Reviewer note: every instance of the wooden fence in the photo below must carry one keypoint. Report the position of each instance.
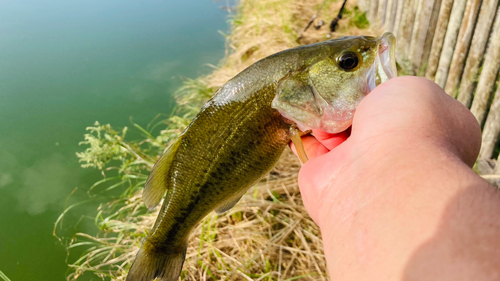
(456, 43)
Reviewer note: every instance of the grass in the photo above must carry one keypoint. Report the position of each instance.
(268, 235)
(3, 276)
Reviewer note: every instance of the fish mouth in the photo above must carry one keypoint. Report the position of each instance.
(384, 66)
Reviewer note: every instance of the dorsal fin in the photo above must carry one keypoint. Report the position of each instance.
(156, 185)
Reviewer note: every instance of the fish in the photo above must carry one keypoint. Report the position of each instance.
(241, 132)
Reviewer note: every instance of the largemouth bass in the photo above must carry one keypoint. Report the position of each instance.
(240, 133)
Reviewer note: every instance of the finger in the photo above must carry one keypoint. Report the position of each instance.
(312, 146)
(330, 141)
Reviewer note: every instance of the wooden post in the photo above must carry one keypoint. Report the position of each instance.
(382, 6)
(491, 128)
(399, 15)
(430, 34)
(439, 36)
(462, 46)
(405, 30)
(420, 28)
(372, 13)
(476, 52)
(490, 70)
(390, 15)
(449, 42)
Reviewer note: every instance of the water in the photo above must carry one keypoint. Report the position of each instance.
(64, 65)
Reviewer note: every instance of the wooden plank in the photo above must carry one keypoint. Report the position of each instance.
(399, 15)
(490, 67)
(450, 40)
(462, 46)
(438, 39)
(491, 128)
(476, 52)
(422, 19)
(372, 13)
(390, 15)
(430, 35)
(405, 30)
(381, 13)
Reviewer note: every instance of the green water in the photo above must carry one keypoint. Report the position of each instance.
(64, 65)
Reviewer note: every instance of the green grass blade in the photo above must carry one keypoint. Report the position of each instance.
(61, 216)
(148, 135)
(3, 276)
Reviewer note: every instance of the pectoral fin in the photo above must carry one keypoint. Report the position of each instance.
(299, 146)
(156, 185)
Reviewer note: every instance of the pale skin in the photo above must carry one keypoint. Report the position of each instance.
(397, 199)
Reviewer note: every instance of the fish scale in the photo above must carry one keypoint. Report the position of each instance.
(214, 184)
(240, 134)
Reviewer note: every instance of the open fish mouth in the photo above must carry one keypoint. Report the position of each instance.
(382, 69)
(325, 96)
(384, 66)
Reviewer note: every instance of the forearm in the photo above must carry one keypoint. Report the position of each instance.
(411, 219)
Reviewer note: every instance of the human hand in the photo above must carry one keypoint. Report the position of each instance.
(382, 191)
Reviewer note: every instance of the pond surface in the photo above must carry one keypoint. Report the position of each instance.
(63, 66)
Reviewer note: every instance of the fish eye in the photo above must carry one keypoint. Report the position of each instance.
(348, 61)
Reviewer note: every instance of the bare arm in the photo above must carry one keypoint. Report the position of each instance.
(397, 200)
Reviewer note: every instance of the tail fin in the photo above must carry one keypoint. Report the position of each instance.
(150, 265)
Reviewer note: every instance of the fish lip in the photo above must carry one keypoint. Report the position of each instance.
(384, 66)
(387, 47)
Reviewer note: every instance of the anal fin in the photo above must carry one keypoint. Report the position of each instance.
(226, 206)
(156, 185)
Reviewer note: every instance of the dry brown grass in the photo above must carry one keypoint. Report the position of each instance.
(262, 28)
(268, 235)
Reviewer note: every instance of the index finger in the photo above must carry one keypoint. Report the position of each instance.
(321, 142)
(330, 141)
